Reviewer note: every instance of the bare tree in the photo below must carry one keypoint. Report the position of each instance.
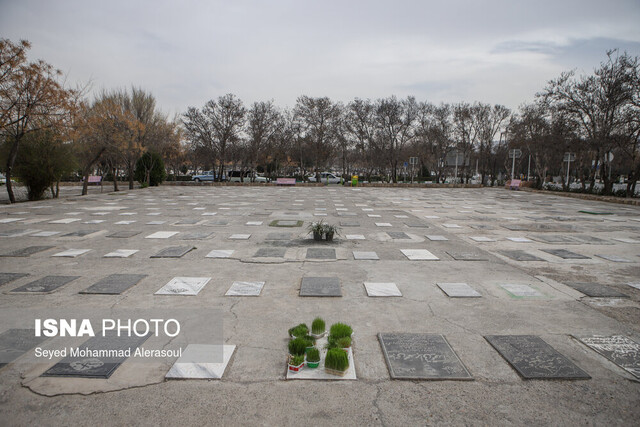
(318, 120)
(219, 124)
(263, 123)
(396, 120)
(599, 103)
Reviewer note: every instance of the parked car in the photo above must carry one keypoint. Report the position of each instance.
(3, 179)
(235, 176)
(326, 177)
(205, 176)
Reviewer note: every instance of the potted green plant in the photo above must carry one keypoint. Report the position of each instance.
(339, 330)
(299, 330)
(313, 358)
(344, 342)
(336, 362)
(317, 228)
(318, 328)
(330, 230)
(296, 363)
(311, 341)
(298, 346)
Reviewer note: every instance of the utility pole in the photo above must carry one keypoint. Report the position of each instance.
(529, 167)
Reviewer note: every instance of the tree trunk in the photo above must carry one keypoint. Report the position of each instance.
(114, 172)
(13, 153)
(87, 169)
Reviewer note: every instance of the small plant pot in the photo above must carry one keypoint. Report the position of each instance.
(307, 349)
(295, 368)
(317, 236)
(334, 372)
(312, 365)
(329, 237)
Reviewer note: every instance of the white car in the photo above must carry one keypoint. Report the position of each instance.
(326, 177)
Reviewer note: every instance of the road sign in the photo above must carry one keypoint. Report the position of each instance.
(569, 157)
(406, 164)
(515, 153)
(413, 160)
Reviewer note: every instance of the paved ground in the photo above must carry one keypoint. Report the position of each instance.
(253, 390)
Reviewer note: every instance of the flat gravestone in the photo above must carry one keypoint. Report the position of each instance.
(482, 239)
(421, 357)
(596, 290)
(239, 237)
(614, 258)
(173, 252)
(114, 284)
(270, 253)
(245, 289)
(355, 237)
(320, 287)
(419, 255)
(349, 224)
(519, 239)
(278, 236)
(123, 234)
(16, 342)
(416, 224)
(617, 348)
(347, 214)
(71, 253)
(286, 223)
(590, 240)
(95, 365)
(10, 277)
(46, 284)
(361, 255)
(467, 256)
(28, 251)
(220, 253)
(521, 291)
(555, 239)
(564, 254)
(188, 221)
(321, 253)
(183, 286)
(80, 233)
(198, 362)
(520, 255)
(437, 238)
(45, 233)
(533, 358)
(398, 235)
(458, 290)
(195, 235)
(375, 289)
(161, 235)
(121, 253)
(218, 222)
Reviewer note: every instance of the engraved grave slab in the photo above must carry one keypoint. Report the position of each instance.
(121, 253)
(518, 255)
(564, 254)
(375, 289)
(467, 256)
(419, 255)
(397, 235)
(10, 277)
(161, 235)
(360, 255)
(321, 253)
(320, 287)
(596, 290)
(25, 252)
(190, 365)
(71, 253)
(435, 238)
(96, 367)
(278, 236)
(46, 284)
(421, 357)
(220, 253)
(533, 358)
(245, 289)
(173, 252)
(16, 342)
(270, 253)
(614, 258)
(520, 291)
(195, 235)
(619, 349)
(114, 284)
(458, 290)
(184, 286)
(123, 234)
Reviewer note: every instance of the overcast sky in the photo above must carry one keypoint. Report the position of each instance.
(187, 52)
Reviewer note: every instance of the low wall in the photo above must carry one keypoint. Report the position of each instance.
(583, 196)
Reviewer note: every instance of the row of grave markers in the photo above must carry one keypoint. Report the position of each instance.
(116, 284)
(412, 356)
